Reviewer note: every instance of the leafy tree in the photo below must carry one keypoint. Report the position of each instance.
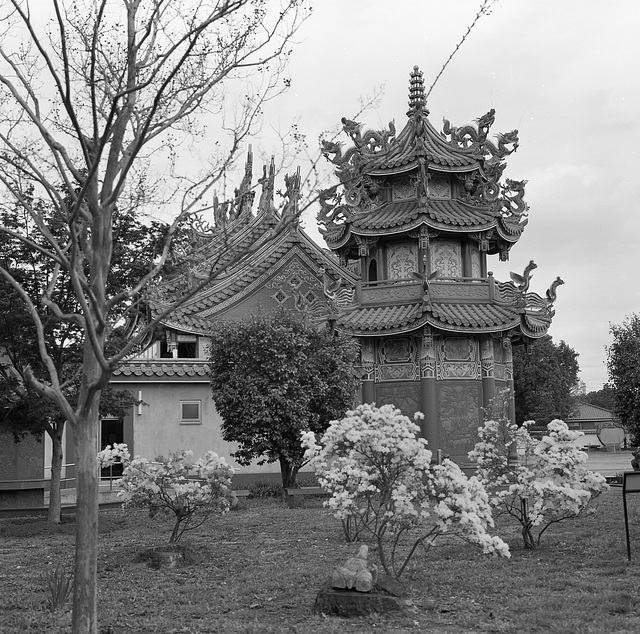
(189, 490)
(623, 365)
(23, 410)
(543, 380)
(602, 398)
(274, 377)
(91, 94)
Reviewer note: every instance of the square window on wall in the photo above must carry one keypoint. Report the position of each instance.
(190, 412)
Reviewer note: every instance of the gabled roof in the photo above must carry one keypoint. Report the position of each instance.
(588, 412)
(246, 251)
(198, 314)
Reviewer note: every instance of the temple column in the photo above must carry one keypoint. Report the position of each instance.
(508, 364)
(487, 366)
(367, 362)
(428, 395)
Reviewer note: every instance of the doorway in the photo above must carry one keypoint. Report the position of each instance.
(111, 432)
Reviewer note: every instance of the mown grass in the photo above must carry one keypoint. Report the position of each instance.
(259, 569)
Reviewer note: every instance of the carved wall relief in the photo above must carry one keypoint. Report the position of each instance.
(446, 257)
(476, 268)
(457, 358)
(295, 286)
(487, 358)
(427, 355)
(459, 419)
(404, 189)
(367, 358)
(397, 360)
(503, 355)
(405, 396)
(402, 260)
(439, 187)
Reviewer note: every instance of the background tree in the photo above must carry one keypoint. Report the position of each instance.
(623, 365)
(274, 377)
(24, 411)
(602, 398)
(91, 95)
(543, 380)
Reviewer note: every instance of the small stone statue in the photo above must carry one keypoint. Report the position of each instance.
(356, 573)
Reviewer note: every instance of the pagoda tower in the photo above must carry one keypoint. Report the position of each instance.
(417, 215)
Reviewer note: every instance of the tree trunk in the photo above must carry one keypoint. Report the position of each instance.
(289, 473)
(55, 502)
(527, 534)
(85, 615)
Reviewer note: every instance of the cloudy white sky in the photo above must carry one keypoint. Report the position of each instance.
(565, 73)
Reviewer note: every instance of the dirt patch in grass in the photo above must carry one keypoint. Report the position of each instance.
(259, 569)
(37, 526)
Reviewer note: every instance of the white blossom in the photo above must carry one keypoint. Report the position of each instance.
(549, 483)
(378, 472)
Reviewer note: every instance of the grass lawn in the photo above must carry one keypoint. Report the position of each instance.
(259, 569)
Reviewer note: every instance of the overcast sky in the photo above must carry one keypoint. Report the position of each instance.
(565, 73)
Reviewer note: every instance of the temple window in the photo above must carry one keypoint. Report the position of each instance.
(179, 346)
(373, 270)
(190, 412)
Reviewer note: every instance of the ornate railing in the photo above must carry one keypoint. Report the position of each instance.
(404, 291)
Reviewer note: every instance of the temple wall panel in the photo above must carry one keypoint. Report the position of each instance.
(446, 257)
(404, 395)
(402, 260)
(459, 405)
(457, 358)
(396, 359)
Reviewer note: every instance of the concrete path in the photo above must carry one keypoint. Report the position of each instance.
(609, 463)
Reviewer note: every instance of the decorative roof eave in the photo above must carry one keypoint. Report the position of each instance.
(513, 308)
(511, 230)
(436, 167)
(347, 234)
(530, 326)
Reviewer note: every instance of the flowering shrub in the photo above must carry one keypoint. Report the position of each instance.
(176, 485)
(547, 485)
(382, 484)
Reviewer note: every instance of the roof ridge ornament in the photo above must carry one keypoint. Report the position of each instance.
(267, 182)
(417, 98)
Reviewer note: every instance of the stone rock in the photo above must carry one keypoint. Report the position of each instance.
(350, 603)
(356, 573)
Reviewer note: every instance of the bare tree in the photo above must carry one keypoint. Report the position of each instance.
(94, 97)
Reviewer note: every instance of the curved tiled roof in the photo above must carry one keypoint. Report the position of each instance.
(397, 216)
(403, 153)
(436, 213)
(160, 368)
(196, 314)
(452, 317)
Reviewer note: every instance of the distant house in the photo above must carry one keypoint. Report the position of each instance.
(601, 427)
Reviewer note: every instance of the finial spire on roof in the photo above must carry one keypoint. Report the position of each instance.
(417, 99)
(245, 185)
